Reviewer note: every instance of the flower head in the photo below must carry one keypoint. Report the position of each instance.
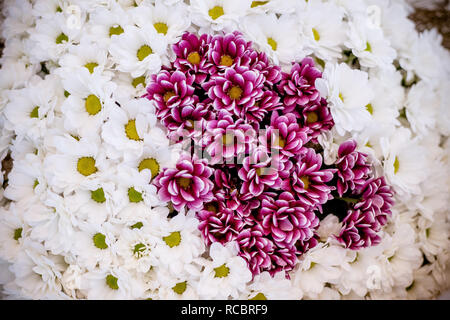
(227, 51)
(359, 230)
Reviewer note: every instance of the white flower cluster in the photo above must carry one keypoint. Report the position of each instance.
(78, 217)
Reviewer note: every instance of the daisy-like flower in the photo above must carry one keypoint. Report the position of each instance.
(266, 287)
(348, 94)
(369, 44)
(277, 6)
(187, 184)
(278, 37)
(258, 171)
(353, 168)
(180, 286)
(298, 87)
(181, 242)
(13, 232)
(286, 135)
(308, 180)
(237, 89)
(218, 14)
(30, 110)
(324, 27)
(228, 51)
(192, 55)
(167, 20)
(226, 275)
(287, 220)
(138, 50)
(89, 102)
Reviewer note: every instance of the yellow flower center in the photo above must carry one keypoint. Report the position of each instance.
(312, 117)
(173, 239)
(316, 34)
(98, 195)
(139, 80)
(369, 108)
(222, 271)
(280, 142)
(193, 58)
(396, 165)
(368, 47)
(35, 112)
(180, 287)
(261, 171)
(99, 241)
(341, 97)
(18, 234)
(168, 95)
(216, 12)
(130, 130)
(226, 61)
(115, 30)
(134, 195)
(235, 92)
(272, 43)
(258, 3)
(93, 105)
(259, 296)
(111, 281)
(143, 52)
(86, 166)
(305, 181)
(62, 37)
(212, 207)
(90, 66)
(151, 164)
(228, 139)
(161, 27)
(184, 182)
(139, 249)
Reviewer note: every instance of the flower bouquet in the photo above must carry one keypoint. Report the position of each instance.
(281, 149)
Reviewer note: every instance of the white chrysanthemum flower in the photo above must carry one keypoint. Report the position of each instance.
(50, 38)
(88, 103)
(30, 110)
(433, 236)
(368, 43)
(226, 275)
(182, 242)
(324, 28)
(37, 273)
(179, 286)
(87, 57)
(138, 50)
(320, 265)
(276, 6)
(112, 283)
(424, 286)
(171, 21)
(218, 14)
(18, 18)
(278, 37)
(135, 248)
(420, 107)
(329, 227)
(49, 8)
(405, 163)
(14, 75)
(26, 182)
(76, 162)
(13, 231)
(266, 287)
(348, 93)
(71, 281)
(131, 128)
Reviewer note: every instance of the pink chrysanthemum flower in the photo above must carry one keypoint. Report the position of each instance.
(169, 90)
(228, 137)
(218, 223)
(258, 171)
(376, 197)
(317, 118)
(236, 90)
(255, 248)
(306, 245)
(308, 180)
(298, 87)
(227, 51)
(283, 259)
(192, 55)
(353, 168)
(287, 220)
(187, 184)
(359, 230)
(285, 135)
(260, 61)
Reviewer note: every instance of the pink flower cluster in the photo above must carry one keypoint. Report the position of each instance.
(264, 191)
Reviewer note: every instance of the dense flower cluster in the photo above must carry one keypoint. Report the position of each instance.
(290, 149)
(269, 188)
